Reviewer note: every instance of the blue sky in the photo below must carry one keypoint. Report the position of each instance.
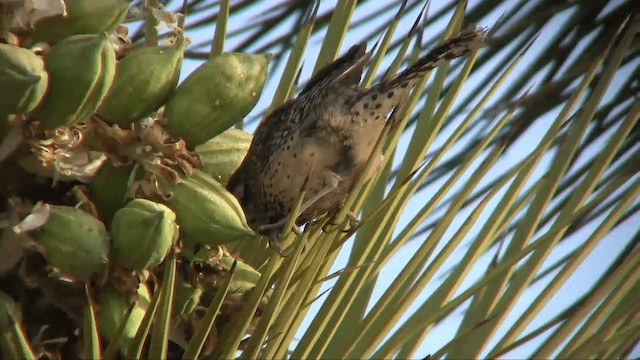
(597, 262)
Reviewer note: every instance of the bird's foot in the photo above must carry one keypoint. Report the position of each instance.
(274, 232)
(269, 228)
(354, 223)
(274, 243)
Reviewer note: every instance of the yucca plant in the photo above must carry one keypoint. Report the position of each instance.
(506, 174)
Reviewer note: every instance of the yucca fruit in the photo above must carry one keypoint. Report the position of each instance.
(23, 80)
(218, 94)
(83, 17)
(81, 69)
(73, 241)
(142, 234)
(113, 307)
(207, 213)
(144, 79)
(222, 155)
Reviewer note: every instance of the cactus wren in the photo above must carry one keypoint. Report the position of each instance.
(325, 136)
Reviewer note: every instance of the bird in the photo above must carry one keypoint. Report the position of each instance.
(320, 141)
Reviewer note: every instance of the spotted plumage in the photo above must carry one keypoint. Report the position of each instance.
(326, 135)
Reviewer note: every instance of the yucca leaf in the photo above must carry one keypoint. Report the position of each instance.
(161, 327)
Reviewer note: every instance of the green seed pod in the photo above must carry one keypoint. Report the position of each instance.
(216, 95)
(207, 213)
(83, 17)
(114, 307)
(23, 80)
(245, 277)
(185, 298)
(222, 155)
(81, 70)
(108, 189)
(145, 78)
(142, 233)
(75, 243)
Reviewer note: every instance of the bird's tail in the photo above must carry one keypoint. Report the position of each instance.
(386, 95)
(460, 45)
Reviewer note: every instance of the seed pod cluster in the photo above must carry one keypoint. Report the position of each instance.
(114, 166)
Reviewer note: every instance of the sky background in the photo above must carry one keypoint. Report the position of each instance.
(578, 284)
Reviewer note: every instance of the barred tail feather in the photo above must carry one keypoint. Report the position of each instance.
(380, 99)
(464, 43)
